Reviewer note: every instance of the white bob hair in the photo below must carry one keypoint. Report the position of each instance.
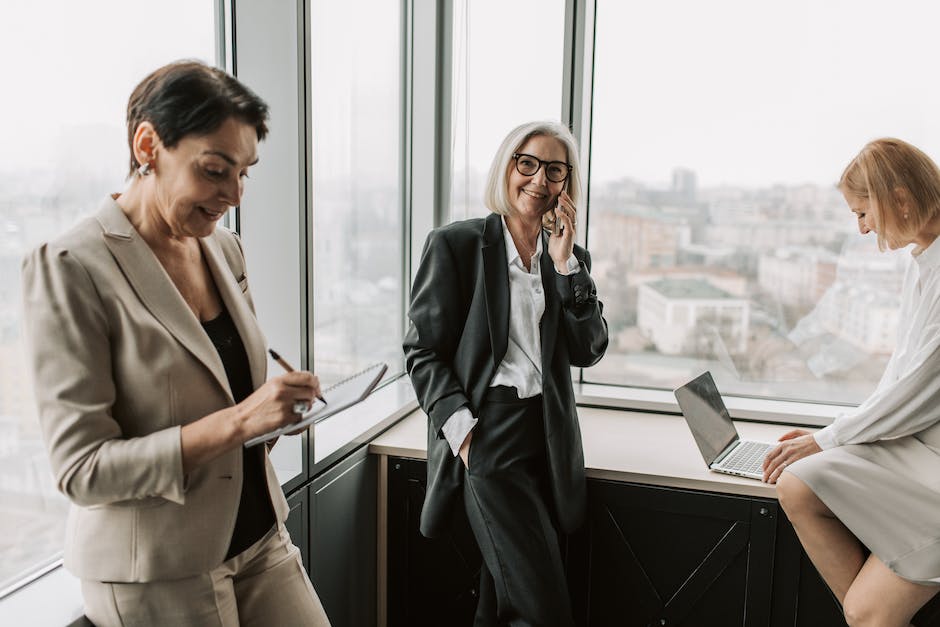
(496, 194)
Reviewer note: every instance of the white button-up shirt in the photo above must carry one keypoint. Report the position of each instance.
(905, 401)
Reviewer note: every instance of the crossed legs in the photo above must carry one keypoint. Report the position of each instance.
(870, 593)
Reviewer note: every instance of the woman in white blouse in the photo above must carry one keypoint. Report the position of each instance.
(501, 309)
(871, 479)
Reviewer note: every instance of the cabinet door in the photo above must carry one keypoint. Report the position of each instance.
(661, 556)
(343, 539)
(297, 524)
(427, 578)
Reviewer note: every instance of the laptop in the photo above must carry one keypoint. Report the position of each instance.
(717, 439)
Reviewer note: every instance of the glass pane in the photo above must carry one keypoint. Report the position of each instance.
(504, 75)
(719, 240)
(357, 213)
(65, 146)
(287, 457)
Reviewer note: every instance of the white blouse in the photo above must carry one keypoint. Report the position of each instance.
(907, 399)
(521, 367)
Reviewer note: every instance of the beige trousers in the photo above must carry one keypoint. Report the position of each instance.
(266, 585)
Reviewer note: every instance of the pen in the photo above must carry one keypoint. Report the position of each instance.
(286, 366)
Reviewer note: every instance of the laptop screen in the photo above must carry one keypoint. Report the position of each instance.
(707, 416)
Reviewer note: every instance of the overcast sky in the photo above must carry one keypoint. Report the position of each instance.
(72, 65)
(755, 92)
(744, 92)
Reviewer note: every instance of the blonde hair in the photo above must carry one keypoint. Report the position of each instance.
(496, 193)
(901, 183)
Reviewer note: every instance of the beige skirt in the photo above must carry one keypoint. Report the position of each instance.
(888, 494)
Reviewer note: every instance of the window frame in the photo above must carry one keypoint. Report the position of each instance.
(577, 105)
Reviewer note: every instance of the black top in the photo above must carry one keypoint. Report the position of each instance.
(255, 512)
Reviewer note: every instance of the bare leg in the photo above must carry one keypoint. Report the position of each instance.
(834, 551)
(879, 597)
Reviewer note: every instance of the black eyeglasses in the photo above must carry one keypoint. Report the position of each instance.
(555, 171)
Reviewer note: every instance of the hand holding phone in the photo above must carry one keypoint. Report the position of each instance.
(549, 222)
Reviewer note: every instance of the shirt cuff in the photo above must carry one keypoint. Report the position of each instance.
(825, 438)
(455, 430)
(574, 266)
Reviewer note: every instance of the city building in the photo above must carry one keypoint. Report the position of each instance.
(680, 315)
(797, 275)
(862, 315)
(639, 236)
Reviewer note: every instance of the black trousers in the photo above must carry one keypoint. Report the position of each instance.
(522, 581)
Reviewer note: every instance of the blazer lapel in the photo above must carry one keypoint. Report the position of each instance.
(156, 290)
(549, 325)
(496, 284)
(238, 309)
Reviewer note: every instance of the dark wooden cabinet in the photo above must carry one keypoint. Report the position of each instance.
(342, 534)
(660, 556)
(427, 578)
(333, 521)
(647, 556)
(297, 524)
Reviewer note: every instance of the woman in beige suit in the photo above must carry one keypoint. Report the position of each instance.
(871, 479)
(150, 375)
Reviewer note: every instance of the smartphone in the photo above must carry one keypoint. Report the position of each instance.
(549, 223)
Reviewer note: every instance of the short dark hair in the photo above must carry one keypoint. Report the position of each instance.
(191, 98)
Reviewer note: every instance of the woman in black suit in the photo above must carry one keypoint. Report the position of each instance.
(501, 309)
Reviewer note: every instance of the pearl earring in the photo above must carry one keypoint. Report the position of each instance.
(144, 169)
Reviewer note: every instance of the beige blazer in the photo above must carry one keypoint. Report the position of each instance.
(120, 363)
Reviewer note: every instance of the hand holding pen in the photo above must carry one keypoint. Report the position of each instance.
(288, 368)
(278, 402)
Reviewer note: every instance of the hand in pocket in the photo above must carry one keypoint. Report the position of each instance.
(465, 450)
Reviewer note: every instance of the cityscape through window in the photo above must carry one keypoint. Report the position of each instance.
(65, 147)
(719, 239)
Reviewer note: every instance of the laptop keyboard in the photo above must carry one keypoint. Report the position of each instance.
(747, 458)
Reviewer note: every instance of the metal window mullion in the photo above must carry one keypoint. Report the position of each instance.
(224, 14)
(406, 168)
(306, 243)
(443, 171)
(577, 95)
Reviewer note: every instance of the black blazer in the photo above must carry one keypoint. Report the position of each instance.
(458, 336)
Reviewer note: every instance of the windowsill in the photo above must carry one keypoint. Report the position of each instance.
(391, 401)
(627, 446)
(54, 599)
(740, 408)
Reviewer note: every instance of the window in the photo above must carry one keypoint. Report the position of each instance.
(358, 226)
(719, 240)
(508, 62)
(66, 83)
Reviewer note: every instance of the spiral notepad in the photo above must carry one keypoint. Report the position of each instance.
(338, 397)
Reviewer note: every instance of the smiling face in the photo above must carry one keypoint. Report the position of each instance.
(197, 181)
(531, 196)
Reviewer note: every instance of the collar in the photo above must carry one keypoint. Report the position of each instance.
(113, 220)
(512, 254)
(928, 257)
